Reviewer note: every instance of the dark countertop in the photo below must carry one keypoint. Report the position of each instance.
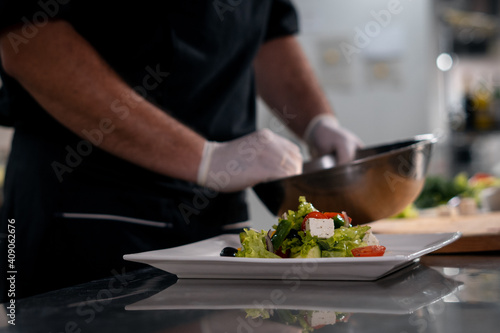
(441, 293)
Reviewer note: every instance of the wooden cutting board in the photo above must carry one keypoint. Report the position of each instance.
(480, 232)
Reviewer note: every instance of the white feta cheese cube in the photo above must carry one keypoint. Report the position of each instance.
(370, 238)
(323, 228)
(317, 318)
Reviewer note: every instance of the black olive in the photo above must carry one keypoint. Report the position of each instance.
(228, 252)
(293, 234)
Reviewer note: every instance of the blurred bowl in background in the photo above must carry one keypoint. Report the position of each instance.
(380, 182)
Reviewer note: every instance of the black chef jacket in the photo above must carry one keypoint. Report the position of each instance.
(78, 209)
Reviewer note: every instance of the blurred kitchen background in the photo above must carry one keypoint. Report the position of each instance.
(393, 69)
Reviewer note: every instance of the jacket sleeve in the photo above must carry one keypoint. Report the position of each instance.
(283, 20)
(30, 15)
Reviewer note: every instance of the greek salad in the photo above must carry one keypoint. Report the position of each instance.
(308, 233)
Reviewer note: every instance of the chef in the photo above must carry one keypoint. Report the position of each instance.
(135, 126)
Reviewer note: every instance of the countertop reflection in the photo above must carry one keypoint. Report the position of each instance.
(442, 293)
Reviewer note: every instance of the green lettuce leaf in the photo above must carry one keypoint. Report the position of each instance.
(297, 217)
(308, 242)
(343, 241)
(291, 243)
(258, 313)
(300, 246)
(254, 245)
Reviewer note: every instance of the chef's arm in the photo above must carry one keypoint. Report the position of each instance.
(70, 80)
(287, 83)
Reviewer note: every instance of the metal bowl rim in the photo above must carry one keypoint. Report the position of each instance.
(423, 139)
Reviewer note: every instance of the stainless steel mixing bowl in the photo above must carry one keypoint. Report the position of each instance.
(380, 182)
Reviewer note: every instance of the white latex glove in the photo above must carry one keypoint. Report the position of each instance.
(325, 135)
(257, 157)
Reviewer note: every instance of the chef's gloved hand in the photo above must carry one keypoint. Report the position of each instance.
(325, 135)
(257, 157)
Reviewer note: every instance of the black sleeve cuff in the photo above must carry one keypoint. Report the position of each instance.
(283, 20)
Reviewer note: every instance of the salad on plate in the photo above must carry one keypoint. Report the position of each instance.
(308, 233)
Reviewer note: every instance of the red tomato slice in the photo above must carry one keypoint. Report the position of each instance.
(332, 215)
(481, 178)
(480, 175)
(314, 215)
(281, 254)
(369, 251)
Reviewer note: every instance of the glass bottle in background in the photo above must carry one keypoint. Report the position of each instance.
(468, 105)
(495, 101)
(481, 100)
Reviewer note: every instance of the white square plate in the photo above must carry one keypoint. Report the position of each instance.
(202, 260)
